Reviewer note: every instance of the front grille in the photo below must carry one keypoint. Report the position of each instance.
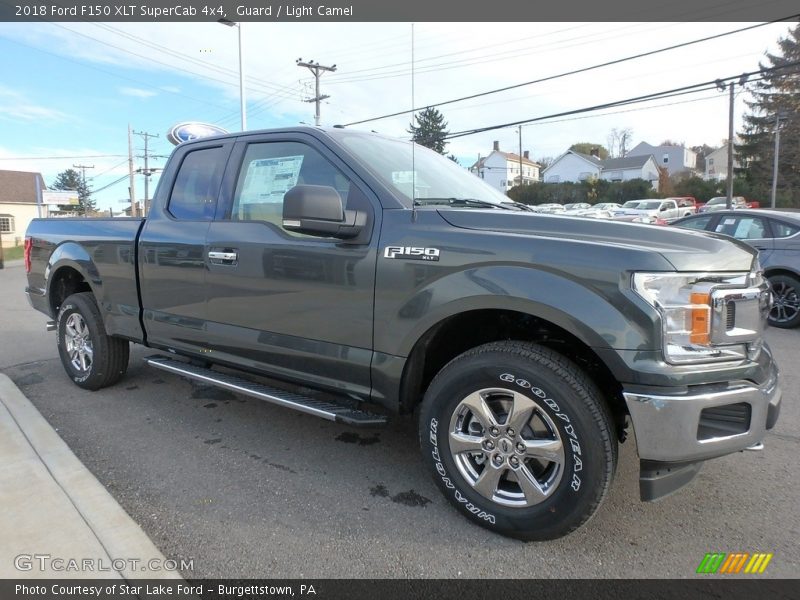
(723, 421)
(730, 316)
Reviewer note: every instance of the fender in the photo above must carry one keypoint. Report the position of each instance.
(593, 315)
(72, 254)
(118, 303)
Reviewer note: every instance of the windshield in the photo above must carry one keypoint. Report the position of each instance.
(434, 177)
(631, 204)
(718, 200)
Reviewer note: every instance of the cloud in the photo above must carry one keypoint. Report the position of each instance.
(137, 92)
(15, 106)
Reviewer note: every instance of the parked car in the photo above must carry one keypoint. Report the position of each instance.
(776, 236)
(666, 210)
(609, 206)
(686, 204)
(549, 208)
(526, 345)
(574, 207)
(721, 203)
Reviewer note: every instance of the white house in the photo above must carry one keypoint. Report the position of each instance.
(501, 169)
(18, 205)
(630, 167)
(717, 164)
(673, 158)
(574, 166)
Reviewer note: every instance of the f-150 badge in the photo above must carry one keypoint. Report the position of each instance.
(411, 253)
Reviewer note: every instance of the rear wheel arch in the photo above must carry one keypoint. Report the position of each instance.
(64, 281)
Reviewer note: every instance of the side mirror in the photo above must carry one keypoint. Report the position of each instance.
(664, 207)
(319, 210)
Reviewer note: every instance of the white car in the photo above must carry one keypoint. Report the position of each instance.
(551, 208)
(662, 209)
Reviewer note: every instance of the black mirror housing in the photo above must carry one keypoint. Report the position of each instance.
(319, 210)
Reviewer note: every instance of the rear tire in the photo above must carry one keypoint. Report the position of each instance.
(785, 310)
(519, 440)
(91, 358)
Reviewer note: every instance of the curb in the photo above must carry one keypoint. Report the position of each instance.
(85, 504)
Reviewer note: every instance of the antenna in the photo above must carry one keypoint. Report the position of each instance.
(413, 143)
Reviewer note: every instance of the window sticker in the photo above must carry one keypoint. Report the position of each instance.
(268, 179)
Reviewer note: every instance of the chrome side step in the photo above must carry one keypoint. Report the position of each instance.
(311, 406)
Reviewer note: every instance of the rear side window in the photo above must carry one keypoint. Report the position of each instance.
(782, 230)
(194, 195)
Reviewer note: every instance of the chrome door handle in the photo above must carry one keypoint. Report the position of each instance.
(214, 255)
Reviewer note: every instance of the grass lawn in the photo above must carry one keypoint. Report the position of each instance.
(12, 253)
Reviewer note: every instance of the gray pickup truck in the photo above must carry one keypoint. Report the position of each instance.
(375, 274)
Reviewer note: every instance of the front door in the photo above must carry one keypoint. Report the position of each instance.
(289, 305)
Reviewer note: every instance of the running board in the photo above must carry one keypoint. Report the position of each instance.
(311, 406)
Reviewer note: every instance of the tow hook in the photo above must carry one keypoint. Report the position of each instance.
(757, 447)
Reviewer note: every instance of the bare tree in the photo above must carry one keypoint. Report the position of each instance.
(618, 141)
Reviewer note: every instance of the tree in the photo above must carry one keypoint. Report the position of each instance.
(702, 152)
(618, 141)
(778, 93)
(587, 147)
(545, 161)
(71, 180)
(430, 130)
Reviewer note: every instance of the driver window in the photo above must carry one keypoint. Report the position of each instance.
(271, 169)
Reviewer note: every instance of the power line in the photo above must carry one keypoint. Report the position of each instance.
(61, 157)
(689, 89)
(572, 72)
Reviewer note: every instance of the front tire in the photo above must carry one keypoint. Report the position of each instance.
(519, 440)
(91, 358)
(785, 310)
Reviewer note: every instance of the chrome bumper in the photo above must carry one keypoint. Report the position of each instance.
(667, 427)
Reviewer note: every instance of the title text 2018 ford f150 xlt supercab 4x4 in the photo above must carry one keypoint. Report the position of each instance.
(354, 265)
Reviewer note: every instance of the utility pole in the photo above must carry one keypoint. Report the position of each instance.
(131, 179)
(730, 85)
(729, 200)
(317, 69)
(520, 156)
(83, 177)
(778, 116)
(147, 171)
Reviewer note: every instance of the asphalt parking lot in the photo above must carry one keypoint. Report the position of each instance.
(248, 489)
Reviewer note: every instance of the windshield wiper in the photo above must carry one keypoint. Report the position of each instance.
(461, 202)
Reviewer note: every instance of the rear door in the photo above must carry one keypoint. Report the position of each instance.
(290, 305)
(753, 229)
(172, 271)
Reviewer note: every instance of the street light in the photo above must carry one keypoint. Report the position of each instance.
(242, 100)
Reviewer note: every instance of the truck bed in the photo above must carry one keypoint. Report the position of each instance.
(106, 249)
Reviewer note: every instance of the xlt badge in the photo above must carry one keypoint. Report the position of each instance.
(411, 253)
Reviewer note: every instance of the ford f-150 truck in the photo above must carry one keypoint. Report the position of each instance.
(375, 273)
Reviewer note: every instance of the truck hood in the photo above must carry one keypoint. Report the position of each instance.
(686, 250)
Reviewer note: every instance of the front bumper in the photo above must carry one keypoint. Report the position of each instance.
(673, 428)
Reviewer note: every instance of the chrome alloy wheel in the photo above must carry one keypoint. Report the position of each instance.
(506, 447)
(78, 343)
(785, 303)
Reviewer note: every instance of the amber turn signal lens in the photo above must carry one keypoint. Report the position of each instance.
(700, 315)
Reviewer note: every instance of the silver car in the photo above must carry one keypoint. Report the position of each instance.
(776, 236)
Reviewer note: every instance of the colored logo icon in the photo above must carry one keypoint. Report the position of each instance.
(734, 563)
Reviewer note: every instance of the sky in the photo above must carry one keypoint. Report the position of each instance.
(69, 91)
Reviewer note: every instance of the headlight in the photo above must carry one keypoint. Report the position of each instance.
(686, 303)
